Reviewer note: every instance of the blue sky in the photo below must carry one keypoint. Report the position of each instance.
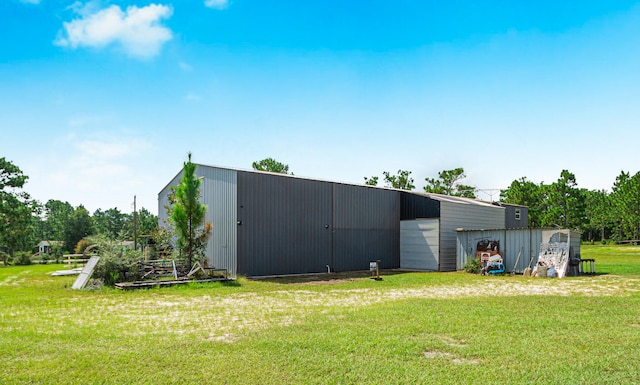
(102, 100)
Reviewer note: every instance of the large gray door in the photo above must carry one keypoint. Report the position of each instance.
(284, 225)
(419, 244)
(365, 227)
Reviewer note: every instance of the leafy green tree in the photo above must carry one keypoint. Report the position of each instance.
(401, 181)
(188, 215)
(598, 212)
(271, 165)
(56, 216)
(17, 221)
(79, 226)
(373, 181)
(565, 203)
(626, 198)
(448, 184)
(110, 223)
(10, 176)
(147, 222)
(525, 193)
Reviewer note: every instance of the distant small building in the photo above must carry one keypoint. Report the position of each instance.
(516, 216)
(46, 247)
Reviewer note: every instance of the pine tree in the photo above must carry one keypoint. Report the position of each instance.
(188, 215)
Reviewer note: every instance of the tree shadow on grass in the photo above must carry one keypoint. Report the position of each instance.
(324, 278)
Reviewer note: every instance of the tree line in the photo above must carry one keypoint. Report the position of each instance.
(599, 214)
(24, 221)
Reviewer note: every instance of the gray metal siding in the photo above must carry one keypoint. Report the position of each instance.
(511, 242)
(419, 244)
(510, 220)
(456, 215)
(523, 242)
(163, 199)
(415, 206)
(218, 191)
(284, 224)
(366, 226)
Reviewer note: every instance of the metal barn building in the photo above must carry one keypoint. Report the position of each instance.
(276, 224)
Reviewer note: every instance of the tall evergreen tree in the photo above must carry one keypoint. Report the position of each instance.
(626, 195)
(598, 213)
(188, 215)
(564, 202)
(525, 193)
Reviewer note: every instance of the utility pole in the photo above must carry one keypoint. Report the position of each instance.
(135, 224)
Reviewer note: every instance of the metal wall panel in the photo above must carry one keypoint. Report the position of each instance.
(415, 206)
(218, 191)
(419, 244)
(163, 199)
(511, 242)
(511, 221)
(460, 214)
(284, 224)
(366, 226)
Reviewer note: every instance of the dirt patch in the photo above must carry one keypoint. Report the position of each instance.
(226, 338)
(451, 357)
(227, 318)
(324, 282)
(452, 342)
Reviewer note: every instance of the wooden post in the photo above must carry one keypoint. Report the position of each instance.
(135, 225)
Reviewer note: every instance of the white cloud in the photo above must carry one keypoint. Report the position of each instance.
(216, 4)
(137, 30)
(85, 9)
(99, 170)
(186, 67)
(191, 97)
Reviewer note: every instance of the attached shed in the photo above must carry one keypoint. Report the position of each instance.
(459, 212)
(277, 224)
(429, 242)
(525, 242)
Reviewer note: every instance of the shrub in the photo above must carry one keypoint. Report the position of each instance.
(22, 258)
(44, 258)
(117, 266)
(473, 266)
(81, 245)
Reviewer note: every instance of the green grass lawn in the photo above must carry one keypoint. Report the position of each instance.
(410, 328)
